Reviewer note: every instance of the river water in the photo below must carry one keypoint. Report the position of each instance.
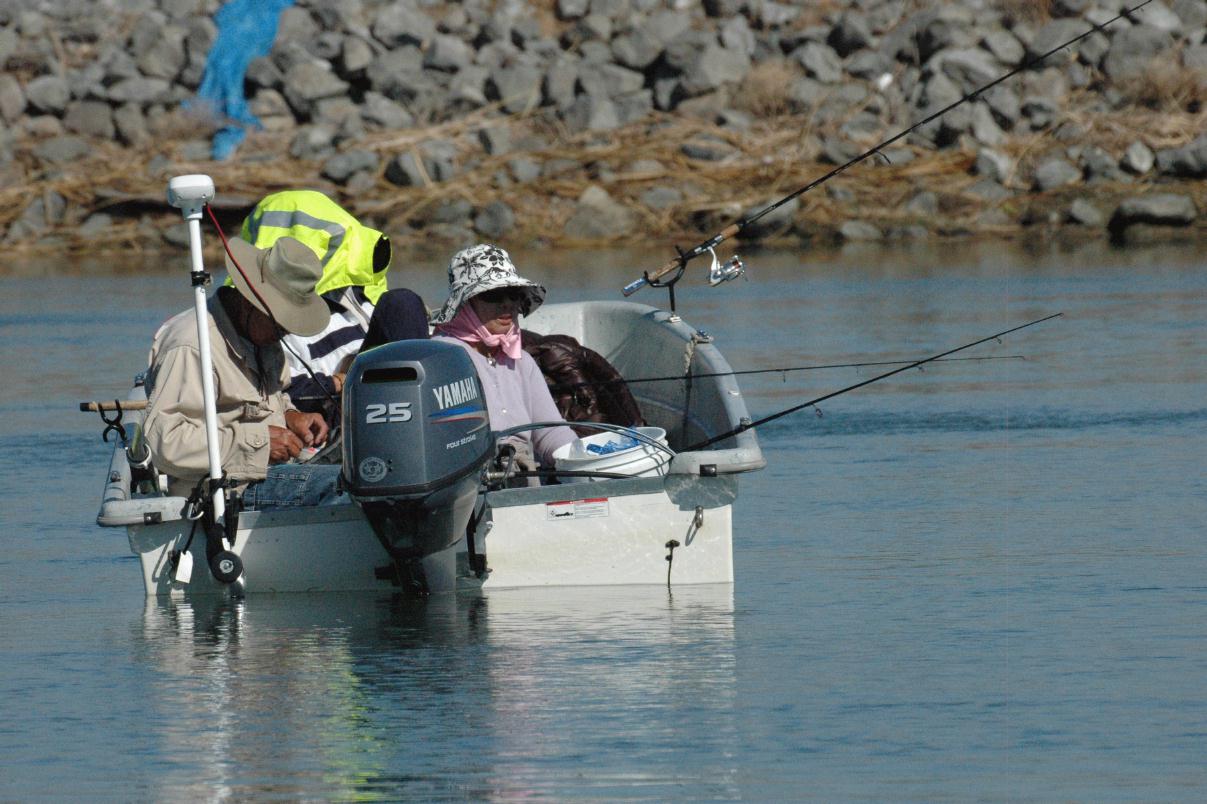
(985, 580)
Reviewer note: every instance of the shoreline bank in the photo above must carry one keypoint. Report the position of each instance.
(586, 123)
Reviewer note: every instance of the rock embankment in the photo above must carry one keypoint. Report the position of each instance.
(579, 121)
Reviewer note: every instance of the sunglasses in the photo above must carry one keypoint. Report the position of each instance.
(500, 295)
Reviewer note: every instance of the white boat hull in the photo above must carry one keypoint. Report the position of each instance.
(331, 549)
(590, 534)
(573, 535)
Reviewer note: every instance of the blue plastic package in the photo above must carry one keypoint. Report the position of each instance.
(246, 30)
(609, 447)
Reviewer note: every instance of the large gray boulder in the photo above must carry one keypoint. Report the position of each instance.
(388, 114)
(1099, 165)
(12, 98)
(1158, 15)
(610, 80)
(48, 94)
(736, 35)
(310, 82)
(355, 56)
(592, 113)
(131, 125)
(634, 106)
(312, 142)
(572, 9)
(714, 67)
(518, 87)
(468, 86)
(820, 61)
(994, 165)
(402, 23)
(406, 171)
(142, 91)
(850, 33)
(1138, 159)
(447, 53)
(1055, 172)
(1084, 213)
(1159, 209)
(495, 221)
(859, 232)
(1133, 50)
(637, 49)
(970, 68)
(660, 198)
(90, 118)
(1055, 33)
(393, 73)
(166, 56)
(598, 217)
(342, 167)
(560, 82)
(1004, 46)
(1189, 161)
(62, 150)
(1192, 13)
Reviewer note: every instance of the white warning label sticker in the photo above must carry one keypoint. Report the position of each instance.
(577, 509)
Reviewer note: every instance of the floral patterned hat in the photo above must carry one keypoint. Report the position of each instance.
(481, 268)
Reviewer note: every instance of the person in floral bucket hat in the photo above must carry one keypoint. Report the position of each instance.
(486, 297)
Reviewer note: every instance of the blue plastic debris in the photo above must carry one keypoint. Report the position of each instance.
(246, 30)
(608, 447)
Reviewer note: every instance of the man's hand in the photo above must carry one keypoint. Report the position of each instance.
(337, 381)
(311, 428)
(282, 445)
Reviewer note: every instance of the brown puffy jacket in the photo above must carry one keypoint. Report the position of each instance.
(585, 386)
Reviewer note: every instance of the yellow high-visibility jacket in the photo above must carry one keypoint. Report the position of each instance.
(343, 245)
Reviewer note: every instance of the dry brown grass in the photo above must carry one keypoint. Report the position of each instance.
(1167, 86)
(765, 91)
(772, 158)
(817, 12)
(1032, 12)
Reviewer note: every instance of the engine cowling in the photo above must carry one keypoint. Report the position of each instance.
(414, 420)
(415, 438)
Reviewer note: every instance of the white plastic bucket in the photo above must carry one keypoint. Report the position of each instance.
(642, 460)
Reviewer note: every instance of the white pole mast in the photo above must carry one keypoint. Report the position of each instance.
(190, 194)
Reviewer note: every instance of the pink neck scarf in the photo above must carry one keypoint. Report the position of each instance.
(466, 326)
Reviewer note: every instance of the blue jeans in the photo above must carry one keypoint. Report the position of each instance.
(294, 485)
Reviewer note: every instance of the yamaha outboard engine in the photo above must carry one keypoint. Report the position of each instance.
(416, 436)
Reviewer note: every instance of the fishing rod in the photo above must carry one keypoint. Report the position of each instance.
(570, 386)
(680, 262)
(782, 370)
(751, 425)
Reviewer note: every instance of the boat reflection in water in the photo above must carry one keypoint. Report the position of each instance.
(544, 692)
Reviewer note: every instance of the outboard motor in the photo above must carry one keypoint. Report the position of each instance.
(416, 436)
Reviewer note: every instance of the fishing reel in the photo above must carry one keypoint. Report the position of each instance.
(731, 269)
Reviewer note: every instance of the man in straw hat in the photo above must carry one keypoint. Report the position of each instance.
(258, 428)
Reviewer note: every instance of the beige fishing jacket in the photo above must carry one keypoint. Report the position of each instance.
(248, 387)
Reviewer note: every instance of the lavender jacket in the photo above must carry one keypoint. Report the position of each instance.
(516, 393)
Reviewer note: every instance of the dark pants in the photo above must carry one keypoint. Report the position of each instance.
(399, 315)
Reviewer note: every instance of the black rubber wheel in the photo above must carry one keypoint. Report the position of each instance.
(226, 566)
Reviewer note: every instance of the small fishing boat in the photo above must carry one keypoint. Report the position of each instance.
(433, 503)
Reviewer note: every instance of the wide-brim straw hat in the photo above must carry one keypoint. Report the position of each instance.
(282, 277)
(481, 268)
